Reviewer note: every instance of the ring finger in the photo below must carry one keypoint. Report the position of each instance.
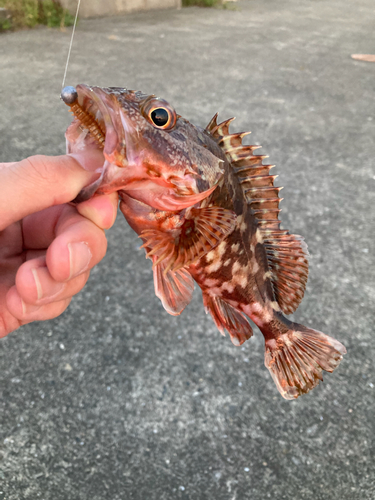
(35, 313)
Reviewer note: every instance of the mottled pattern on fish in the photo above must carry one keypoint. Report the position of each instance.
(207, 211)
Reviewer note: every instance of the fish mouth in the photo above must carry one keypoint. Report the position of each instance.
(97, 120)
(97, 114)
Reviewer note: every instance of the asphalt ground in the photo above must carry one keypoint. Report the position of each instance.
(118, 400)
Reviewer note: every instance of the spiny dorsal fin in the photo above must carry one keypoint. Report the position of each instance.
(254, 177)
(286, 253)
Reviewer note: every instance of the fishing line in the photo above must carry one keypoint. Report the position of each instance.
(71, 43)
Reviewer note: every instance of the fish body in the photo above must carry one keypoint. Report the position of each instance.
(207, 211)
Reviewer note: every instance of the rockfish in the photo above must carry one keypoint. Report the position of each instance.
(207, 211)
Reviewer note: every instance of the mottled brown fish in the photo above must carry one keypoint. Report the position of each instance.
(207, 211)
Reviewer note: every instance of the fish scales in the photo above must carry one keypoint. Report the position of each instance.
(207, 211)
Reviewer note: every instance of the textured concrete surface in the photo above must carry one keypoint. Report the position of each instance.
(118, 400)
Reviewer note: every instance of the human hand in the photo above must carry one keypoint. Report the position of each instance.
(47, 246)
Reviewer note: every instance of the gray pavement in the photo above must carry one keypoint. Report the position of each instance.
(118, 400)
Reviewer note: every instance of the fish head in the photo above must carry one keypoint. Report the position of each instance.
(149, 151)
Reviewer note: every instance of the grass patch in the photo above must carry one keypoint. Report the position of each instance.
(220, 4)
(201, 3)
(29, 13)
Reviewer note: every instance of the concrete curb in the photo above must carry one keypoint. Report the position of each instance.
(98, 8)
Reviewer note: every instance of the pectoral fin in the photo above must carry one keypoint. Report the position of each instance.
(202, 230)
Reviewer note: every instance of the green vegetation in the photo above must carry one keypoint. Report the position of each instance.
(5, 24)
(201, 3)
(29, 13)
(221, 4)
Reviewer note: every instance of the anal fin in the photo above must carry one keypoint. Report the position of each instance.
(174, 289)
(226, 317)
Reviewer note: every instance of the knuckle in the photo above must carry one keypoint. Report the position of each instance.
(40, 170)
(8, 325)
(102, 250)
(77, 283)
(97, 241)
(37, 168)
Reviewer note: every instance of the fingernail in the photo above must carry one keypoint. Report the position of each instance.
(53, 289)
(37, 283)
(28, 308)
(79, 258)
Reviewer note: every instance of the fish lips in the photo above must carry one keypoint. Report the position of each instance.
(166, 200)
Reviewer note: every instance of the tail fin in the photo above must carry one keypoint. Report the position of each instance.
(297, 358)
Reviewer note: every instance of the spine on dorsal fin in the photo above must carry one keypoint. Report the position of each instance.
(212, 124)
(233, 141)
(286, 253)
(222, 129)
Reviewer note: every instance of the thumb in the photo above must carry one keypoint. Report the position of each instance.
(40, 182)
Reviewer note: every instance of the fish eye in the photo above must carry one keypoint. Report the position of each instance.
(160, 117)
(159, 113)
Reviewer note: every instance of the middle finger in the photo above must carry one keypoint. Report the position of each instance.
(79, 245)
